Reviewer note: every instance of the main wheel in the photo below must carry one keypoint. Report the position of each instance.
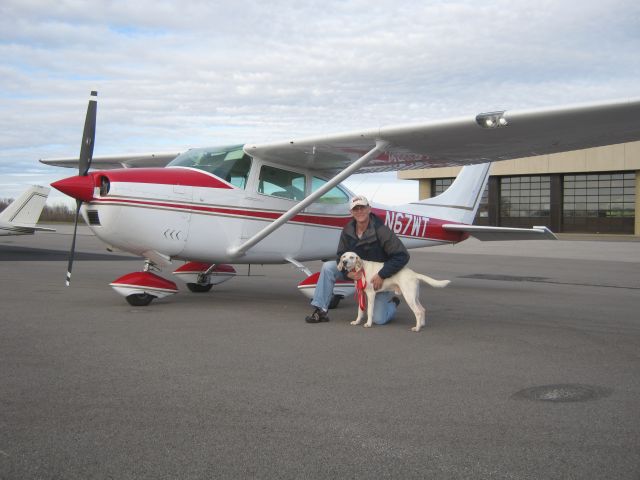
(199, 287)
(335, 300)
(140, 299)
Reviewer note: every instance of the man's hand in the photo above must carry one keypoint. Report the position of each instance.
(376, 281)
(353, 275)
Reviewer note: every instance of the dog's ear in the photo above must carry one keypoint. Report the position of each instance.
(340, 265)
(358, 264)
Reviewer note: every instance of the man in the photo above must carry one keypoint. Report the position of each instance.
(372, 240)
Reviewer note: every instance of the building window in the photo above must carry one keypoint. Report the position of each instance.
(525, 196)
(439, 185)
(603, 195)
(483, 209)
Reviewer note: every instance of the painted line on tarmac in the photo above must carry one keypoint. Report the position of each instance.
(517, 278)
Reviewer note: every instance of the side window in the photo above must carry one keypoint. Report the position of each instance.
(281, 183)
(333, 196)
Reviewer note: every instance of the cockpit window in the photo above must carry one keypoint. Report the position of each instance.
(229, 163)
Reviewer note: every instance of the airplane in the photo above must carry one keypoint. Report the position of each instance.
(21, 215)
(282, 202)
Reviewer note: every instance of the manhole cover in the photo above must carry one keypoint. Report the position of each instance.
(564, 392)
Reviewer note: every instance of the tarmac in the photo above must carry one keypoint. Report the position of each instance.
(529, 368)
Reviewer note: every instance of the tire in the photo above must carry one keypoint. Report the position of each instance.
(335, 300)
(199, 288)
(140, 299)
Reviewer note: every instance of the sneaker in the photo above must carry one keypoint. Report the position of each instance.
(395, 300)
(317, 316)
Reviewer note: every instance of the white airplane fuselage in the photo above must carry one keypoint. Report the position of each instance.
(189, 214)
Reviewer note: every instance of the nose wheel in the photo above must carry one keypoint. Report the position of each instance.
(140, 288)
(140, 299)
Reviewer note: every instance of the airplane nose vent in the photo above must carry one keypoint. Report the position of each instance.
(94, 218)
(105, 186)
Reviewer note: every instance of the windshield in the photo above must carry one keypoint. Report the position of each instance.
(229, 163)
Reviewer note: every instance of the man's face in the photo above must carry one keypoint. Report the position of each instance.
(360, 213)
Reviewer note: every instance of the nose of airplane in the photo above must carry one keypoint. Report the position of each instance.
(78, 187)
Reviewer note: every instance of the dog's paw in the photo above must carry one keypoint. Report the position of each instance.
(355, 322)
(368, 325)
(415, 329)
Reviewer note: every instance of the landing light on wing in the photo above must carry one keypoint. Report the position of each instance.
(492, 120)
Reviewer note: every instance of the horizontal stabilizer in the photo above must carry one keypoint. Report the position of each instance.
(33, 228)
(501, 233)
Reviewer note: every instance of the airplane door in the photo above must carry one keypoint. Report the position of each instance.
(275, 190)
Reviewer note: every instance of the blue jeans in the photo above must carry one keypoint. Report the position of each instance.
(383, 311)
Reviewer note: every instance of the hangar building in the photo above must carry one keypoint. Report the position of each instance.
(583, 191)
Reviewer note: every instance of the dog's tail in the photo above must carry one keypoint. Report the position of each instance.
(432, 281)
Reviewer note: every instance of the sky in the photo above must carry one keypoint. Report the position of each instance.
(175, 74)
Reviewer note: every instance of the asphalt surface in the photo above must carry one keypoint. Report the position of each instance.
(529, 368)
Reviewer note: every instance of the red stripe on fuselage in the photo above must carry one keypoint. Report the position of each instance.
(317, 220)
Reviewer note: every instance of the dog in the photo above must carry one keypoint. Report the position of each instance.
(405, 282)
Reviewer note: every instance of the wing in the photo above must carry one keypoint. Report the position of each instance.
(31, 228)
(108, 162)
(486, 137)
(501, 233)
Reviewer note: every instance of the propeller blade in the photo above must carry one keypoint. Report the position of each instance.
(88, 135)
(86, 155)
(73, 243)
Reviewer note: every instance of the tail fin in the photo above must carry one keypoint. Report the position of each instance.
(432, 281)
(460, 202)
(26, 209)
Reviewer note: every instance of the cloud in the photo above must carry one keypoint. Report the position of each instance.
(176, 74)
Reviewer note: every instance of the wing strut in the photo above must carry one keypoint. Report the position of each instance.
(238, 251)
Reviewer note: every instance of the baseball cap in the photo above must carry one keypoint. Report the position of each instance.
(359, 200)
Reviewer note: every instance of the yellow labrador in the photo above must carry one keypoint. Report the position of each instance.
(406, 282)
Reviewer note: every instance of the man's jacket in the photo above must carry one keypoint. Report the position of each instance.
(378, 244)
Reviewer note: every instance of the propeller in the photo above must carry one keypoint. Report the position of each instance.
(86, 155)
